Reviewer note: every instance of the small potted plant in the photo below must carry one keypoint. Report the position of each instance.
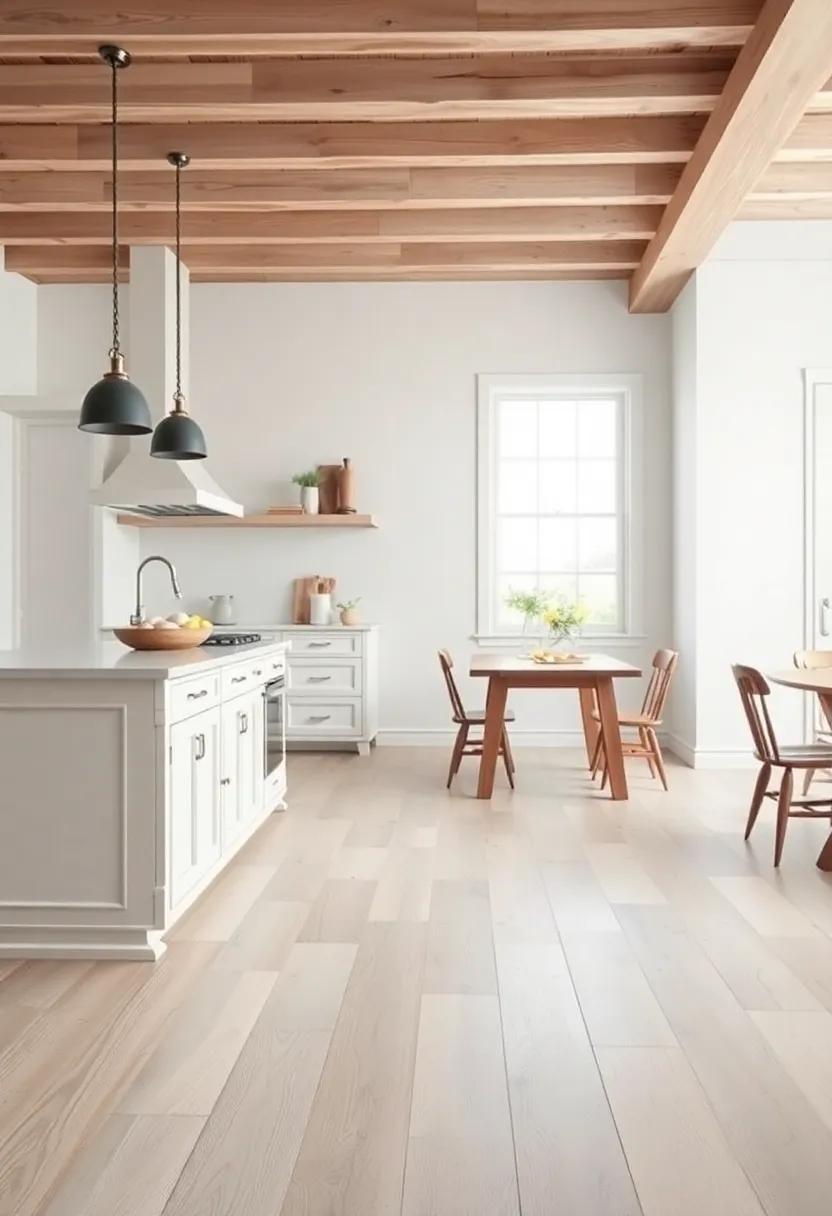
(309, 498)
(565, 620)
(349, 616)
(530, 604)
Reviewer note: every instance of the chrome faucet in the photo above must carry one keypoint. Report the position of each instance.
(138, 615)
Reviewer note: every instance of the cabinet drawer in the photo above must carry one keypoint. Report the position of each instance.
(323, 644)
(188, 697)
(240, 678)
(319, 676)
(307, 717)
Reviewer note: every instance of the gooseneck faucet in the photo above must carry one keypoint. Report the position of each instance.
(138, 615)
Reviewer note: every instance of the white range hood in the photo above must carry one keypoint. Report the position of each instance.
(142, 484)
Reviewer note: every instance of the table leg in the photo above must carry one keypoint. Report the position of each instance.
(495, 708)
(608, 713)
(591, 727)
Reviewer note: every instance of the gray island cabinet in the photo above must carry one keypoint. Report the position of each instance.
(128, 782)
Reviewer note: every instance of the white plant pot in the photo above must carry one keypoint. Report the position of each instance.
(309, 499)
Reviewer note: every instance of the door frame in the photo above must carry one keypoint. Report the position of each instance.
(813, 377)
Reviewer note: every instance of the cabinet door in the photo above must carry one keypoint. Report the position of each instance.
(194, 801)
(238, 765)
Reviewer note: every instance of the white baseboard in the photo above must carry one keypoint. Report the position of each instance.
(698, 757)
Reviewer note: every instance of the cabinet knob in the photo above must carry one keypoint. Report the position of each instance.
(225, 781)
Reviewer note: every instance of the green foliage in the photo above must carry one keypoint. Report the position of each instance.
(348, 605)
(529, 604)
(306, 479)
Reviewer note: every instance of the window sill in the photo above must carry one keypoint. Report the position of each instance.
(513, 640)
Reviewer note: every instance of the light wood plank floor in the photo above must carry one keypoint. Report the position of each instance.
(403, 1002)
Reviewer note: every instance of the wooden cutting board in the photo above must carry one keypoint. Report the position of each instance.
(304, 587)
(328, 488)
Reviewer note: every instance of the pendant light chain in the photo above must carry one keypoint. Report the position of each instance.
(116, 350)
(178, 395)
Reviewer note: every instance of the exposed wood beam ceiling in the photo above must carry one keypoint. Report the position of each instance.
(383, 139)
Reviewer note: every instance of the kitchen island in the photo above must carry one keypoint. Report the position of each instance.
(129, 780)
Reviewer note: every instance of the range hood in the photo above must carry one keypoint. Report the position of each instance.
(141, 485)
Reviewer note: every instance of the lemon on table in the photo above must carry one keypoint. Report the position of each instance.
(193, 623)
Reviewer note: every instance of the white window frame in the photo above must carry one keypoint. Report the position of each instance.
(490, 390)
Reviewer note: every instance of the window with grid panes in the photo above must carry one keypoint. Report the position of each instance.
(555, 502)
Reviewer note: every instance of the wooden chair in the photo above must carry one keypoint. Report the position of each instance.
(645, 722)
(465, 720)
(753, 692)
(814, 659)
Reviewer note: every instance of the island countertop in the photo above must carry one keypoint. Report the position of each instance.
(112, 660)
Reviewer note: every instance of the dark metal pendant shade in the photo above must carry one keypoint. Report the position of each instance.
(114, 406)
(178, 437)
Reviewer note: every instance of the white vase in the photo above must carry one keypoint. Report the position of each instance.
(309, 500)
(320, 609)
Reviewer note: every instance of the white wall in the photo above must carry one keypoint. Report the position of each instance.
(684, 465)
(757, 315)
(286, 376)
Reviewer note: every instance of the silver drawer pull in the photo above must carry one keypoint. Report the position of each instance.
(238, 679)
(199, 741)
(318, 645)
(317, 679)
(319, 717)
(194, 696)
(243, 723)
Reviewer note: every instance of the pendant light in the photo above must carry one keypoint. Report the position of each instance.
(178, 437)
(114, 406)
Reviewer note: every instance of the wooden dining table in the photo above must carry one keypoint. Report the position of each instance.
(819, 681)
(594, 680)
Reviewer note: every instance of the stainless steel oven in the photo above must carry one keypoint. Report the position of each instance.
(274, 695)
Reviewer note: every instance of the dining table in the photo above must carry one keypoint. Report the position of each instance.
(594, 679)
(819, 681)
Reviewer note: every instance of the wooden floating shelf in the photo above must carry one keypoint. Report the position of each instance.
(247, 521)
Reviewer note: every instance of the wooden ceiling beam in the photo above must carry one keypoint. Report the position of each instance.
(253, 28)
(793, 181)
(344, 189)
(811, 140)
(275, 227)
(357, 275)
(354, 90)
(640, 140)
(779, 71)
(45, 261)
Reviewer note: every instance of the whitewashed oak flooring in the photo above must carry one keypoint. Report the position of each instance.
(403, 1002)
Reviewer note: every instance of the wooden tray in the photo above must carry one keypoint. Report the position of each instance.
(162, 639)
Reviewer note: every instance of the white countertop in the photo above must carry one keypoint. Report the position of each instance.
(112, 660)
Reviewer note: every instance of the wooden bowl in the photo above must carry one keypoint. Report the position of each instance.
(162, 639)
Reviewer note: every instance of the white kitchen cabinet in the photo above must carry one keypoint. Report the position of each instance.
(242, 763)
(194, 782)
(332, 686)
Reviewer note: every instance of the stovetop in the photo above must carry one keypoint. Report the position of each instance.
(232, 639)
